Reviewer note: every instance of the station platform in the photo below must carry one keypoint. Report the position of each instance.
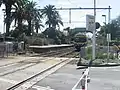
(40, 49)
(52, 46)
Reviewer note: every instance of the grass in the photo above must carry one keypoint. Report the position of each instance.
(99, 55)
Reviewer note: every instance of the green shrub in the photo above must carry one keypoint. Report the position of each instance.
(88, 57)
(111, 56)
(98, 56)
(101, 55)
(89, 50)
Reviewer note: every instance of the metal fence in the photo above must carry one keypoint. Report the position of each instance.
(78, 86)
(2, 49)
(7, 48)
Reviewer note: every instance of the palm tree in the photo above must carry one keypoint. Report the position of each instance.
(52, 15)
(33, 16)
(37, 25)
(30, 13)
(18, 16)
(37, 20)
(9, 4)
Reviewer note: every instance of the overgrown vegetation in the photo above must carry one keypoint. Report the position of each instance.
(99, 55)
(113, 28)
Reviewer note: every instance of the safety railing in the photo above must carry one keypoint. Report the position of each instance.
(78, 86)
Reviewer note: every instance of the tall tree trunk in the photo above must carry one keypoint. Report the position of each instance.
(36, 27)
(20, 25)
(8, 13)
(36, 30)
(49, 25)
(29, 28)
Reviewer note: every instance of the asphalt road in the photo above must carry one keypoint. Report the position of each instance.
(66, 77)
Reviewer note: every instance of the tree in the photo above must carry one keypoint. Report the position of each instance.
(33, 17)
(9, 4)
(57, 35)
(29, 13)
(109, 28)
(37, 24)
(16, 33)
(52, 15)
(19, 16)
(57, 21)
(53, 21)
(113, 28)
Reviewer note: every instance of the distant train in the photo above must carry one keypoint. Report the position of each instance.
(80, 40)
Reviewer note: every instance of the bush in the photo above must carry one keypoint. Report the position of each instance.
(111, 56)
(101, 55)
(98, 56)
(88, 57)
(89, 50)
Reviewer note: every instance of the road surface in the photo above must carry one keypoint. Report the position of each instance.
(65, 78)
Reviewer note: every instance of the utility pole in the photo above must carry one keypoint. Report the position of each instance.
(109, 15)
(109, 36)
(94, 31)
(69, 37)
(69, 16)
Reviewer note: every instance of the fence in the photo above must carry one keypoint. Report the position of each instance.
(8, 47)
(78, 84)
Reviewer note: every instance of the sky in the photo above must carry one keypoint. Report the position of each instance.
(78, 17)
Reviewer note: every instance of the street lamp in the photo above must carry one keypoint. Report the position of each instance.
(108, 38)
(104, 23)
(105, 18)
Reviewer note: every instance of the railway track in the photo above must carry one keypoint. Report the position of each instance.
(13, 63)
(23, 64)
(29, 82)
(46, 54)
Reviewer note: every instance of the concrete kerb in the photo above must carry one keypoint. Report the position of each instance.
(83, 66)
(102, 65)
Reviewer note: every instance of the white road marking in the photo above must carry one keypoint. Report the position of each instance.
(116, 67)
(42, 88)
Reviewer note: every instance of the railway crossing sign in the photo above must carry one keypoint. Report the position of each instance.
(90, 23)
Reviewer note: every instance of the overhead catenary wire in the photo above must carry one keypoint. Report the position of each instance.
(81, 17)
